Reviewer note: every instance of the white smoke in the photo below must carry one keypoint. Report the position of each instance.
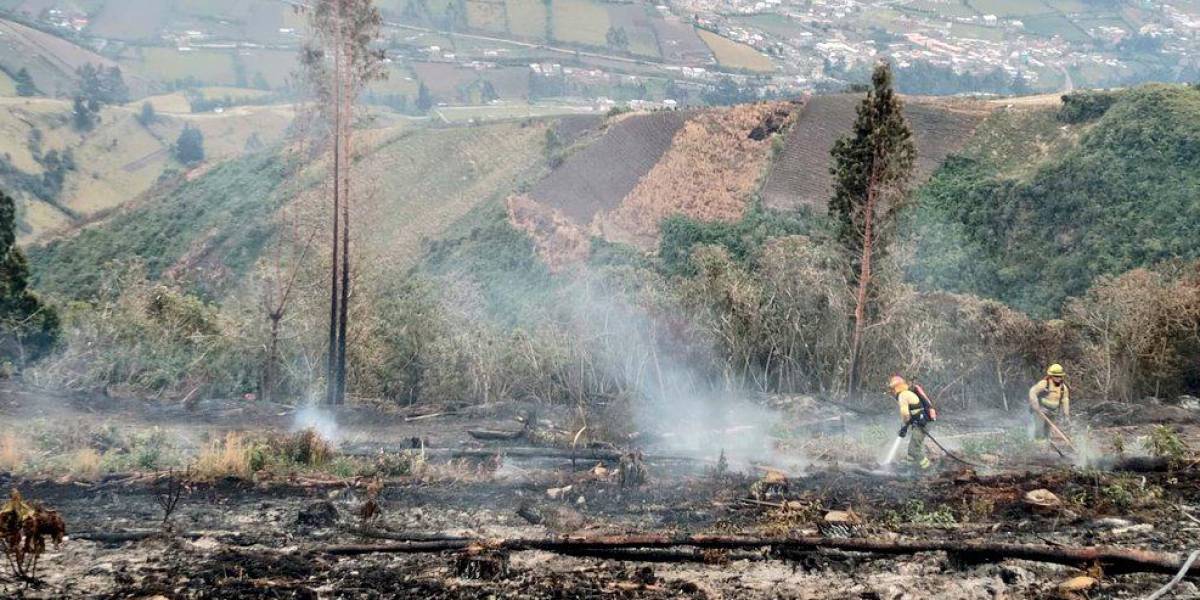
(315, 417)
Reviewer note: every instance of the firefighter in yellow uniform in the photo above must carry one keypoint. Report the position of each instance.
(912, 414)
(1051, 397)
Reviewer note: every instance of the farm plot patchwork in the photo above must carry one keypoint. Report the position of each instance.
(679, 43)
(1009, 8)
(444, 80)
(632, 18)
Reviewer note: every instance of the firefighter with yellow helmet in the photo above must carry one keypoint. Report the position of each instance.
(1050, 397)
(915, 412)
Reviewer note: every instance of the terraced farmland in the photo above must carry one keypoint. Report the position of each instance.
(600, 175)
(800, 176)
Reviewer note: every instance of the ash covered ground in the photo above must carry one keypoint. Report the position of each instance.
(272, 532)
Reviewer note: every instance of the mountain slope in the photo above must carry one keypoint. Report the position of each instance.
(1091, 199)
(113, 162)
(209, 229)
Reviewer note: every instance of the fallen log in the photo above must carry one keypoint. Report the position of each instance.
(403, 536)
(137, 535)
(492, 434)
(602, 454)
(1113, 560)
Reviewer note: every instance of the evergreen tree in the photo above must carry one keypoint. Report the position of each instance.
(83, 114)
(148, 116)
(189, 148)
(424, 99)
(872, 168)
(102, 86)
(25, 85)
(28, 328)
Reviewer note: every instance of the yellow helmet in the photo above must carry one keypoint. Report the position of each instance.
(896, 382)
(1056, 370)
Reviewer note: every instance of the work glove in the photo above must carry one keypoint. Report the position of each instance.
(904, 430)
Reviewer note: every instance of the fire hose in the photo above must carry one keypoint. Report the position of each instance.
(949, 453)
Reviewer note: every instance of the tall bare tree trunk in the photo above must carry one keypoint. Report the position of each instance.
(345, 133)
(331, 378)
(864, 279)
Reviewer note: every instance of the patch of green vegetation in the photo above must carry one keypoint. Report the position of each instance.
(486, 250)
(225, 212)
(742, 238)
(1165, 443)
(1085, 106)
(916, 512)
(1122, 197)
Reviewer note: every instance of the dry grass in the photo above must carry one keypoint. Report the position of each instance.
(736, 55)
(559, 242)
(307, 447)
(229, 456)
(85, 464)
(709, 173)
(13, 452)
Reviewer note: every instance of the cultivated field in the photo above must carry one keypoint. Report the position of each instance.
(487, 15)
(680, 43)
(526, 18)
(597, 177)
(735, 55)
(800, 176)
(633, 18)
(581, 22)
(212, 67)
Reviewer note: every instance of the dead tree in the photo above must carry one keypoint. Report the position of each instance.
(339, 62)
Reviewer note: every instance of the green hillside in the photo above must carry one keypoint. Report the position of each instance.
(413, 184)
(226, 212)
(1070, 196)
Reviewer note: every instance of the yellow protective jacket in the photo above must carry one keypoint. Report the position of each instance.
(910, 404)
(1047, 395)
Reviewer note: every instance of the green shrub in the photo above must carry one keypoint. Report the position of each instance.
(1086, 105)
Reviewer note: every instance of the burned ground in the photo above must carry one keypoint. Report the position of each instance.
(258, 537)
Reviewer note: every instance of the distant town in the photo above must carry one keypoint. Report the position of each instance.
(590, 55)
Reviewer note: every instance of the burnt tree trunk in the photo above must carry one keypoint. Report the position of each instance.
(1112, 560)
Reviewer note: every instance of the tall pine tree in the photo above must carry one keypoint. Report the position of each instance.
(872, 169)
(28, 328)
